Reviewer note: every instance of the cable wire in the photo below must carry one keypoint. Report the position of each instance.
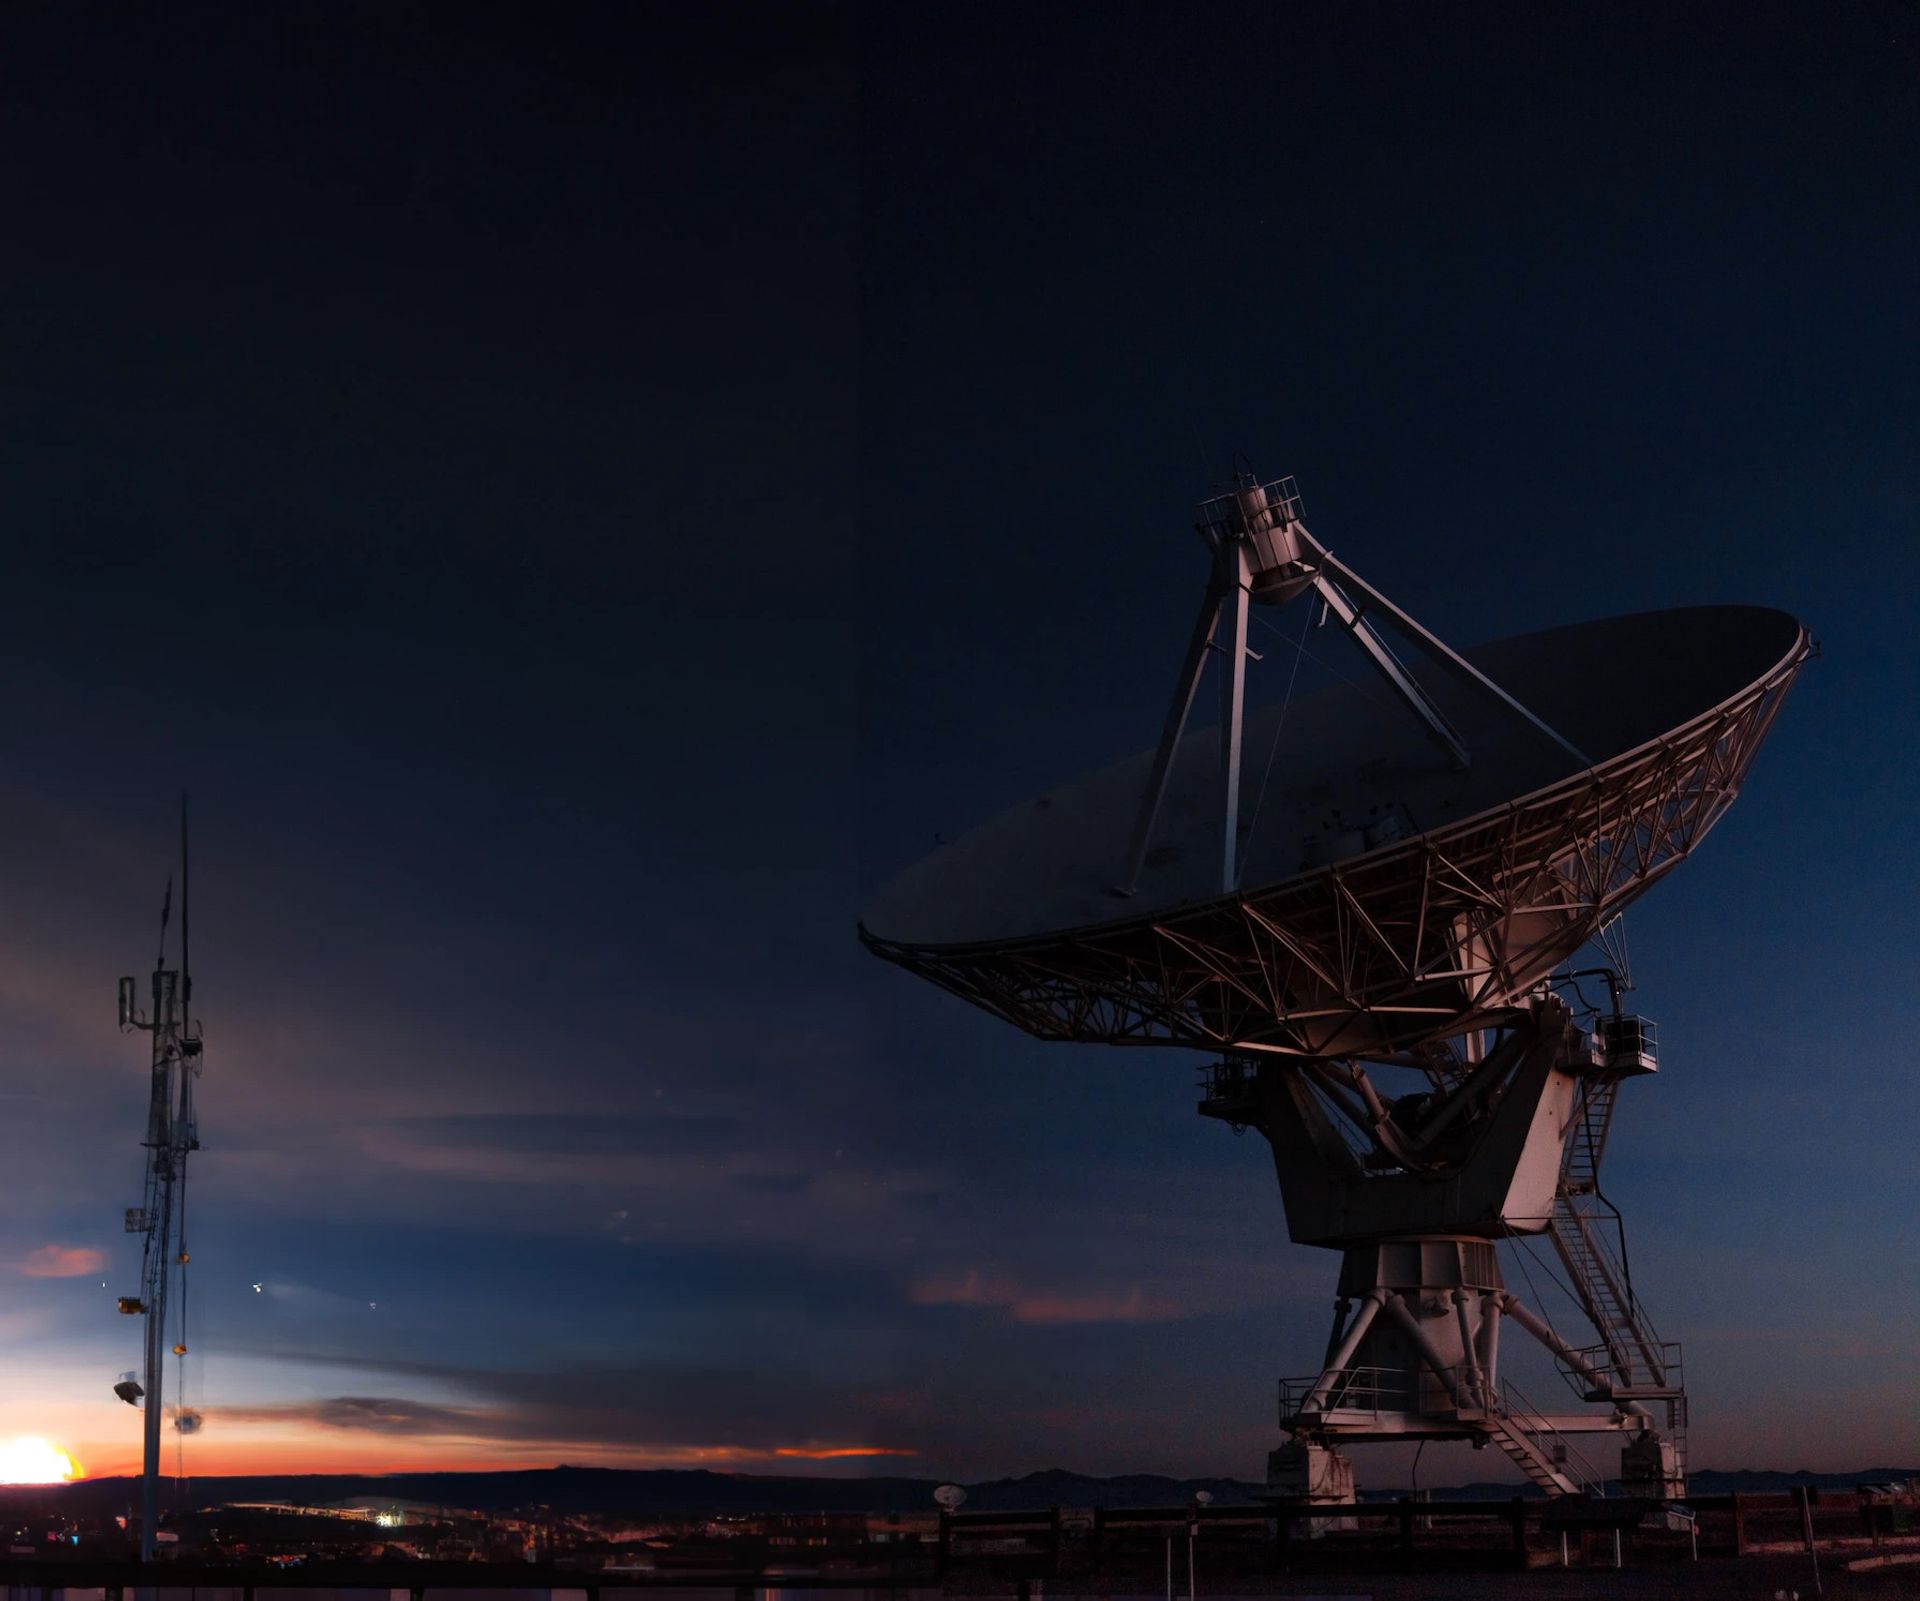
(1553, 1278)
(1370, 691)
(1280, 723)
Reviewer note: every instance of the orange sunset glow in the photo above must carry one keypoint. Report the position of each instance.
(239, 1448)
(28, 1459)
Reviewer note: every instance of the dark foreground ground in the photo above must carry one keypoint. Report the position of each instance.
(1766, 1577)
(1751, 1578)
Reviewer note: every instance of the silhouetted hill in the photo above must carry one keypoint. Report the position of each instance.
(648, 1492)
(672, 1492)
(1034, 1492)
(665, 1492)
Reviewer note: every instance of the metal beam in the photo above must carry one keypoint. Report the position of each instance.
(1349, 1343)
(1184, 690)
(1389, 666)
(1396, 1308)
(1232, 639)
(1542, 1331)
(1329, 564)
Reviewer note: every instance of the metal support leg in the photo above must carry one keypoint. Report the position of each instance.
(1397, 1308)
(1490, 1343)
(1476, 1382)
(1543, 1332)
(1459, 663)
(1349, 1343)
(1184, 690)
(1232, 639)
(1399, 680)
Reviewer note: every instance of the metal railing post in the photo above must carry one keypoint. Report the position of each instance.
(1806, 1523)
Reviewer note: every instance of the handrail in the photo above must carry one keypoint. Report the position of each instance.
(1354, 1389)
(1600, 1357)
(1572, 1225)
(1535, 1425)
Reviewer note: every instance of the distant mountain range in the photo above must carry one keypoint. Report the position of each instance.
(672, 1493)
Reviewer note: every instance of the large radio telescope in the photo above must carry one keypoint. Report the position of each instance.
(1427, 865)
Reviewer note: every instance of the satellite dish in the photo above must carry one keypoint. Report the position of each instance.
(1384, 897)
(129, 1389)
(1203, 1498)
(1375, 938)
(950, 1496)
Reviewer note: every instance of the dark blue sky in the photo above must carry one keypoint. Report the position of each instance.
(581, 499)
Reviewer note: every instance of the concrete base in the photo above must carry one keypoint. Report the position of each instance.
(1302, 1471)
(1650, 1467)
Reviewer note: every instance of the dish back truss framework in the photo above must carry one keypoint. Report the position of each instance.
(1434, 957)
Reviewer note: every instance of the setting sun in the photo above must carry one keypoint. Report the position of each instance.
(32, 1460)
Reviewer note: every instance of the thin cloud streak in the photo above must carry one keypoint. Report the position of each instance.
(647, 1409)
(976, 1289)
(457, 1425)
(63, 1262)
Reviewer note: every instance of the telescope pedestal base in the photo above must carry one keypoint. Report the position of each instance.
(1650, 1467)
(1415, 1355)
(1316, 1474)
(1505, 1142)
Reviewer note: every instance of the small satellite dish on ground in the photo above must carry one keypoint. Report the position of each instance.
(950, 1496)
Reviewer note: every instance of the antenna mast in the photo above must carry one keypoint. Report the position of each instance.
(171, 1134)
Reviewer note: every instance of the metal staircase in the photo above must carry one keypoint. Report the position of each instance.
(1532, 1441)
(1414, 1348)
(1580, 1166)
(1632, 1364)
(1539, 1450)
(1635, 1358)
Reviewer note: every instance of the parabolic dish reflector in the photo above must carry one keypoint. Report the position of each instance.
(1385, 898)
